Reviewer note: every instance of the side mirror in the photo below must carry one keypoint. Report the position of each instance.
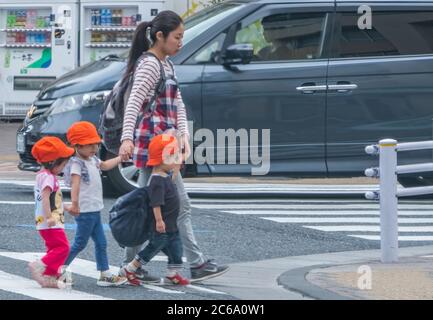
(238, 54)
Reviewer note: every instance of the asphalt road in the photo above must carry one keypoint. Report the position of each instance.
(229, 238)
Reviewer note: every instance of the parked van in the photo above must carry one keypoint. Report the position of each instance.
(326, 77)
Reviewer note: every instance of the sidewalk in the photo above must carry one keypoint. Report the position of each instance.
(410, 279)
(332, 276)
(361, 276)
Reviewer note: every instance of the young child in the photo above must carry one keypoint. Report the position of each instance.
(83, 175)
(164, 200)
(53, 155)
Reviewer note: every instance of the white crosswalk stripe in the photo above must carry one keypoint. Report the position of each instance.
(354, 218)
(86, 268)
(27, 287)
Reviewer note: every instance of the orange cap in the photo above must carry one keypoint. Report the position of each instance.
(83, 133)
(51, 148)
(163, 143)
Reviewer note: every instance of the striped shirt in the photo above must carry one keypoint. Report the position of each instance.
(146, 77)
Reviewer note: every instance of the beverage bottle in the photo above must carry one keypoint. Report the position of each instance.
(133, 20)
(97, 17)
(12, 19)
(109, 18)
(92, 18)
(28, 23)
(25, 23)
(119, 17)
(118, 21)
(18, 19)
(113, 17)
(47, 21)
(103, 18)
(9, 23)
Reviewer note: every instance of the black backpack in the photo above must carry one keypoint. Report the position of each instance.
(111, 118)
(130, 218)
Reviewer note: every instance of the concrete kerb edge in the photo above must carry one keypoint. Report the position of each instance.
(295, 280)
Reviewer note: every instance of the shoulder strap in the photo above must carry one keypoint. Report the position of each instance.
(160, 86)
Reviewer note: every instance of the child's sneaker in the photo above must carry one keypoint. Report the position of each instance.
(178, 279)
(37, 269)
(130, 276)
(112, 281)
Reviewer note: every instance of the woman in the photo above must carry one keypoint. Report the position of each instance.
(159, 39)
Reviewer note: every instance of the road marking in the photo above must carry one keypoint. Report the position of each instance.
(304, 207)
(87, 268)
(27, 287)
(18, 202)
(348, 220)
(79, 266)
(204, 289)
(400, 238)
(323, 213)
(366, 228)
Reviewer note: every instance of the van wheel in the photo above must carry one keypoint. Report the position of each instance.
(123, 178)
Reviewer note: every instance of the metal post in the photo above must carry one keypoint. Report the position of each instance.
(388, 201)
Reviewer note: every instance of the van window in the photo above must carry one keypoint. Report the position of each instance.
(207, 18)
(285, 36)
(392, 33)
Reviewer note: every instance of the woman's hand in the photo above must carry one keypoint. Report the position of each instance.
(185, 147)
(160, 226)
(126, 150)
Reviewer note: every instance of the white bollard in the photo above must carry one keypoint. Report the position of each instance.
(388, 200)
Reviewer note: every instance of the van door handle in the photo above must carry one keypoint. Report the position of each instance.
(311, 89)
(342, 88)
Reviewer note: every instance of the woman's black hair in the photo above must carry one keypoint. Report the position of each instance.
(51, 165)
(166, 22)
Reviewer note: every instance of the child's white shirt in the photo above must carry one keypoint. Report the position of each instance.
(91, 197)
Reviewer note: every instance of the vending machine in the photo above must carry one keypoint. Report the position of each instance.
(107, 27)
(38, 43)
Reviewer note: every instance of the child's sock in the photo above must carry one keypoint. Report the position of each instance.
(131, 267)
(171, 272)
(106, 274)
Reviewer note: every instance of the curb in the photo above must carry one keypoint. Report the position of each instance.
(295, 280)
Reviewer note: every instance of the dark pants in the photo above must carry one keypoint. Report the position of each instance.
(169, 243)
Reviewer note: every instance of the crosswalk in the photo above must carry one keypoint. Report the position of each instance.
(352, 218)
(25, 286)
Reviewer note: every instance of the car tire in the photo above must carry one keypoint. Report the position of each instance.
(124, 178)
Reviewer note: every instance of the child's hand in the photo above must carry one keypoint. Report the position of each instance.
(73, 209)
(160, 226)
(51, 222)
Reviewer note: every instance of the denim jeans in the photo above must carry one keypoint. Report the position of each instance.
(193, 254)
(169, 243)
(89, 225)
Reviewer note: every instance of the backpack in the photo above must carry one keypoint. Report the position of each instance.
(111, 119)
(130, 218)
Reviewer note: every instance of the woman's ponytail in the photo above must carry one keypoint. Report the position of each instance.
(140, 44)
(145, 35)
